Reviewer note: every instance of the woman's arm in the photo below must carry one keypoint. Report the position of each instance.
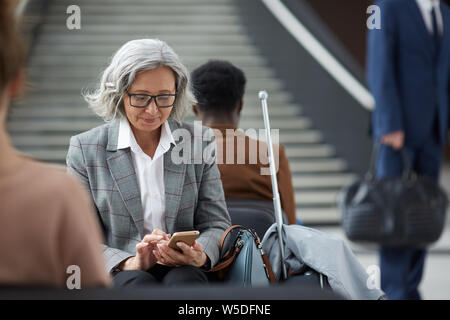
(80, 236)
(76, 167)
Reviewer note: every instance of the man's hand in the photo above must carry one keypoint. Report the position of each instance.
(190, 255)
(395, 139)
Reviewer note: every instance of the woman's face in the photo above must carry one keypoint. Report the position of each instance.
(154, 82)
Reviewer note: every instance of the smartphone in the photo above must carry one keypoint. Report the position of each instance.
(187, 237)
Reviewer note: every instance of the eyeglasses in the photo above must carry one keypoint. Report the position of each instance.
(143, 100)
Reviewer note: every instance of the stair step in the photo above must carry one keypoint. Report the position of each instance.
(276, 100)
(57, 135)
(313, 151)
(60, 40)
(64, 127)
(322, 197)
(57, 99)
(256, 111)
(297, 137)
(313, 216)
(52, 126)
(325, 165)
(309, 136)
(131, 3)
(45, 112)
(313, 181)
(131, 9)
(91, 19)
(90, 73)
(253, 84)
(46, 125)
(145, 27)
(82, 111)
(95, 61)
(106, 50)
(285, 123)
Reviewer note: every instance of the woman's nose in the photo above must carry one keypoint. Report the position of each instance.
(152, 108)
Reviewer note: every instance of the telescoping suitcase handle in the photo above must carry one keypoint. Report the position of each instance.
(273, 175)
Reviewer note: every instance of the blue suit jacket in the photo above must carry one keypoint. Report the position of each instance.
(409, 85)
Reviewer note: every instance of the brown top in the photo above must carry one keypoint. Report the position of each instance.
(243, 178)
(46, 225)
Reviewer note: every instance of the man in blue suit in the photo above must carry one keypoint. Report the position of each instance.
(408, 66)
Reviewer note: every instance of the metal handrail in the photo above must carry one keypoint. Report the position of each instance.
(20, 8)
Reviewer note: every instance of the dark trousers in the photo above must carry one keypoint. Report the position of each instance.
(402, 268)
(160, 275)
(401, 272)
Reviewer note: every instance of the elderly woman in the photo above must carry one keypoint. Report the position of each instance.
(142, 190)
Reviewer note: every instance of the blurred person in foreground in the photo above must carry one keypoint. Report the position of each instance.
(408, 74)
(142, 191)
(219, 88)
(47, 223)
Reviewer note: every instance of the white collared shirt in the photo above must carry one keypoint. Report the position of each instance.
(149, 174)
(425, 7)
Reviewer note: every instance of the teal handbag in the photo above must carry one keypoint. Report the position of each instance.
(243, 262)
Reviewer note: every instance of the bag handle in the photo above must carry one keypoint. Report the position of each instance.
(227, 261)
(408, 172)
(228, 258)
(227, 232)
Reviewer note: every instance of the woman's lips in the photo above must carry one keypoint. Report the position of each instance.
(150, 120)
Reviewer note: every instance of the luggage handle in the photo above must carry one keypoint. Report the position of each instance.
(263, 95)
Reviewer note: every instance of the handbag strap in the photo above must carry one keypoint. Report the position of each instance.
(407, 168)
(229, 258)
(266, 261)
(227, 262)
(225, 234)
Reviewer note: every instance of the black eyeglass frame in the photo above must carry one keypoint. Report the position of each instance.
(130, 95)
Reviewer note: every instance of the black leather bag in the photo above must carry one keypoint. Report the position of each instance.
(393, 212)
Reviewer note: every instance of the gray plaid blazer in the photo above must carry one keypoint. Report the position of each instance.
(193, 191)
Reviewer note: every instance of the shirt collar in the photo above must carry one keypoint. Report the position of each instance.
(124, 134)
(428, 4)
(127, 140)
(166, 136)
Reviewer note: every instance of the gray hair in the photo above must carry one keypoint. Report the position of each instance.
(133, 57)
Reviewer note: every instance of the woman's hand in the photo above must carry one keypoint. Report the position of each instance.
(190, 255)
(145, 258)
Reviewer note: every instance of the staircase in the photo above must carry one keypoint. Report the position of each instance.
(63, 62)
